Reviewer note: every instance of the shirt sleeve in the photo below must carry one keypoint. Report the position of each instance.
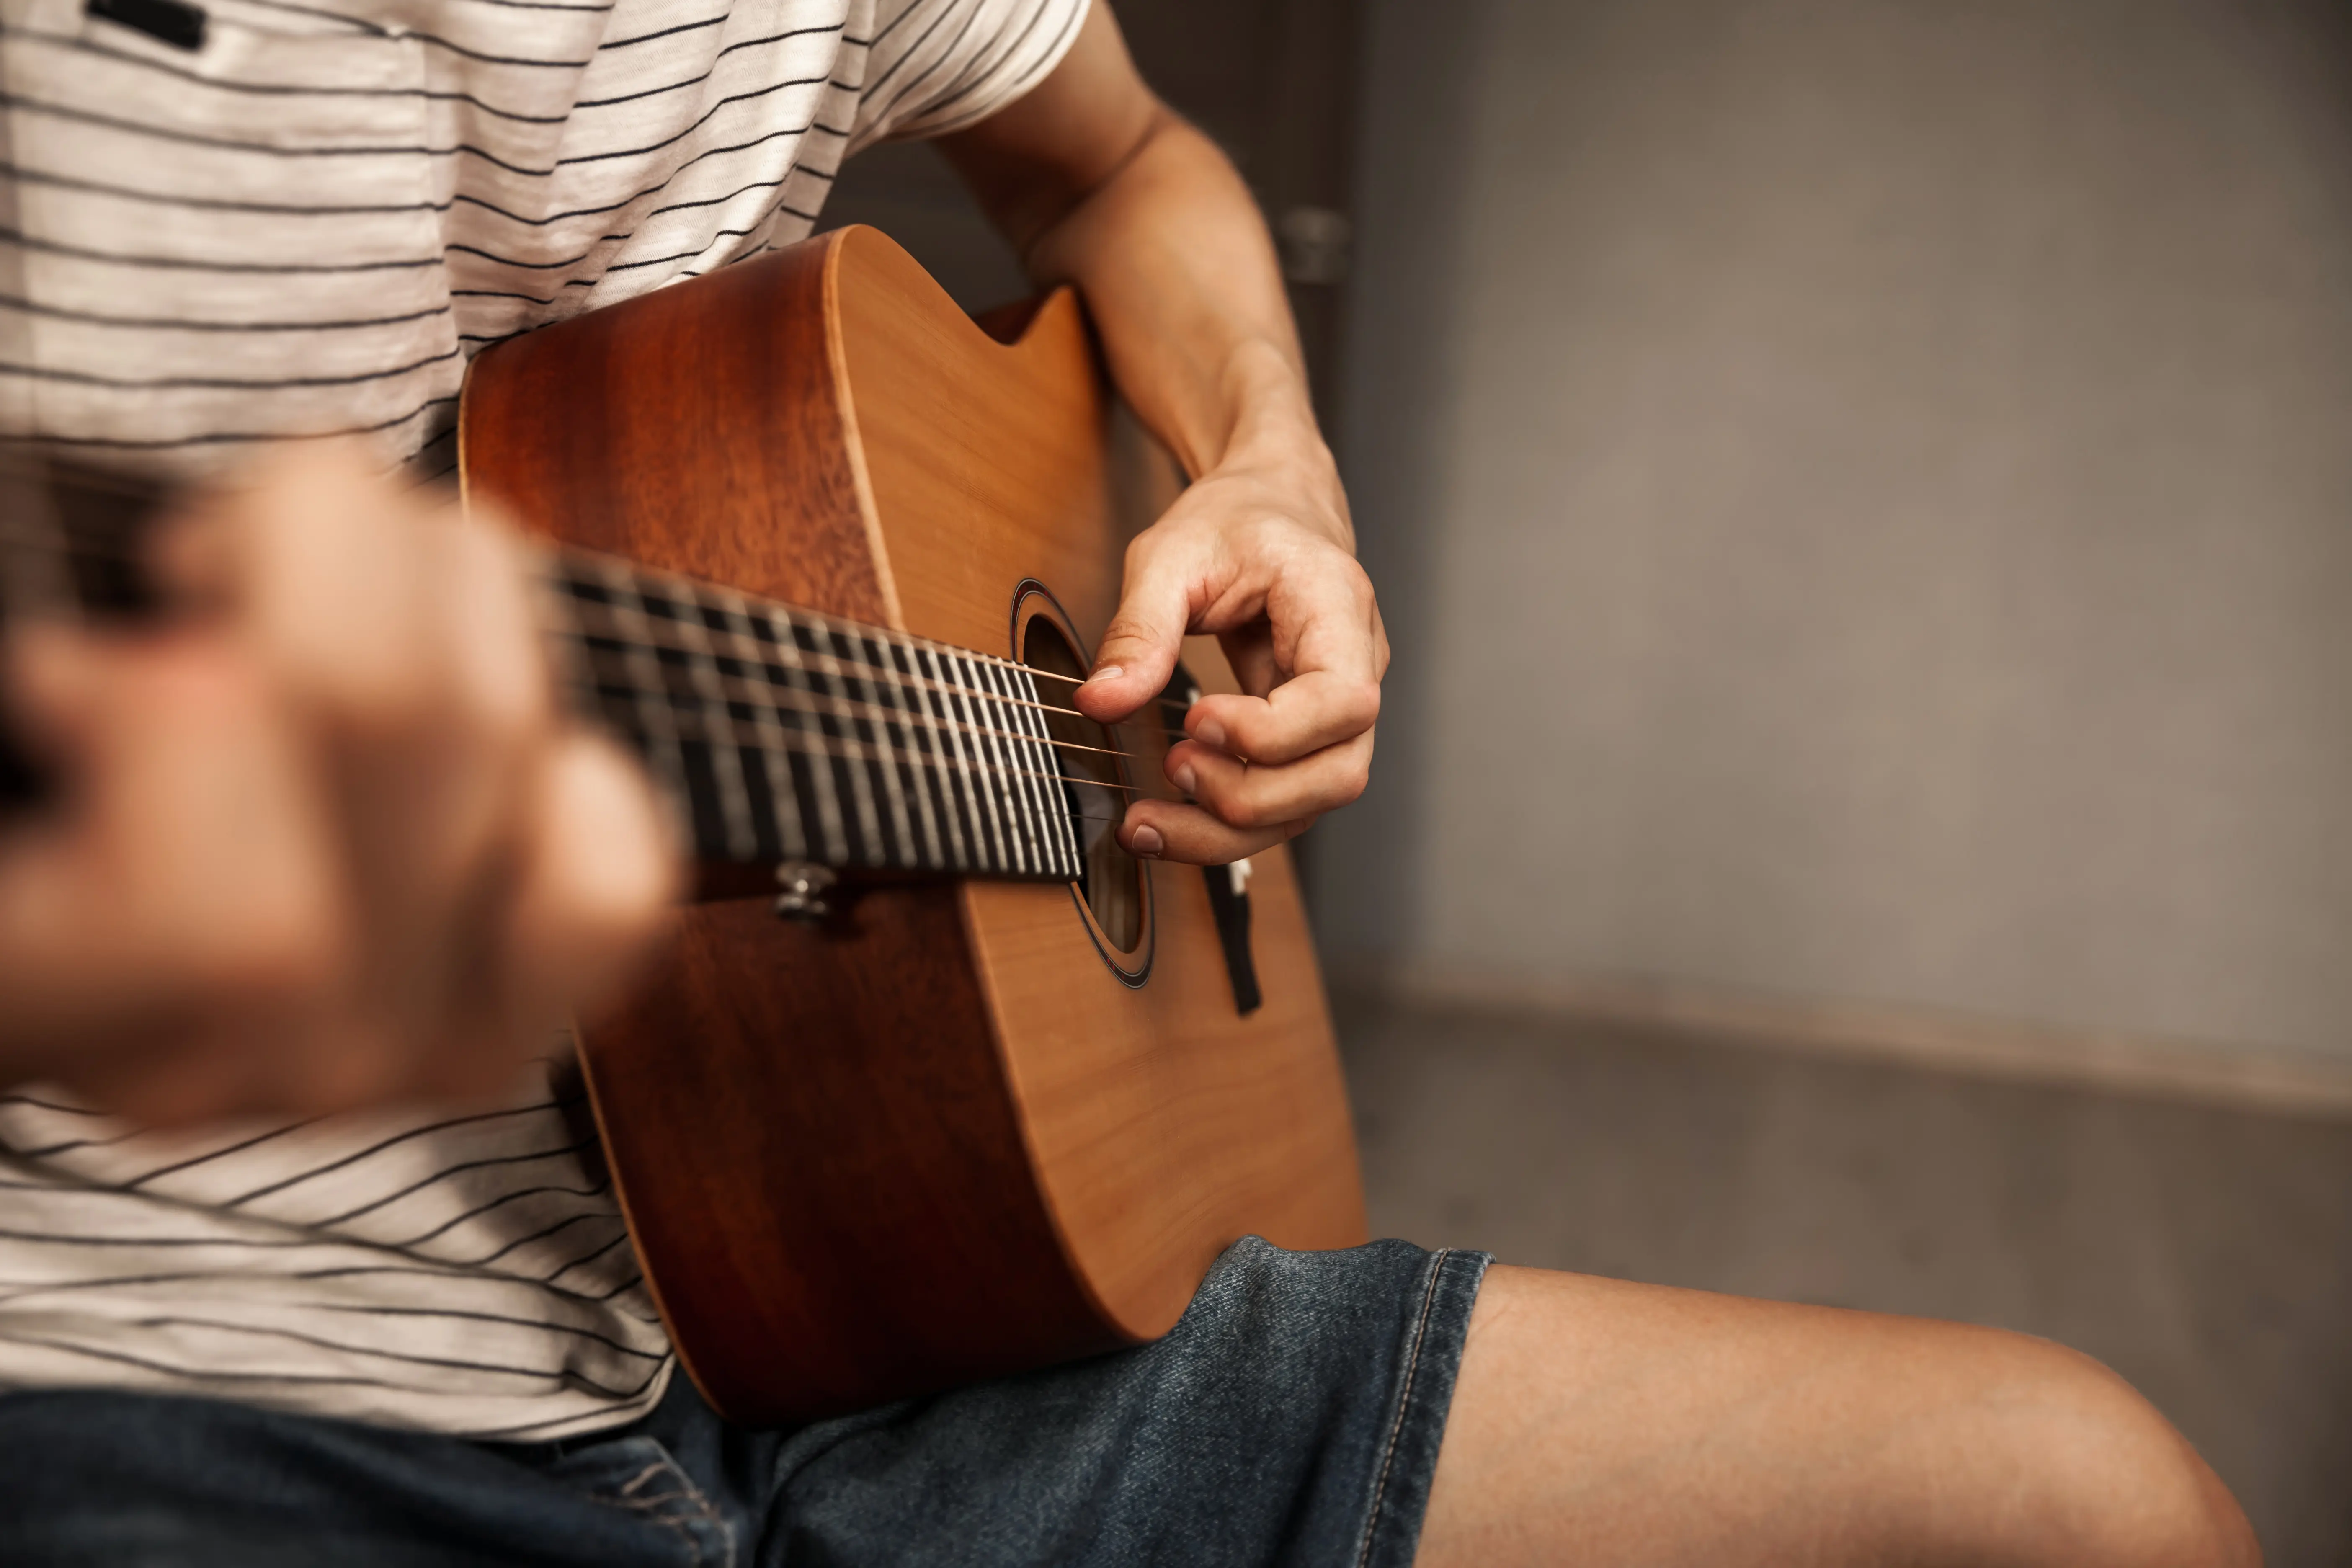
(937, 66)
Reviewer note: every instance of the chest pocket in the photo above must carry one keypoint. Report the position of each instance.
(220, 245)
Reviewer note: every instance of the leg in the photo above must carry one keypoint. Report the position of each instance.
(1598, 1421)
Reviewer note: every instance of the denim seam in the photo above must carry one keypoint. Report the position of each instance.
(1403, 1405)
(650, 1507)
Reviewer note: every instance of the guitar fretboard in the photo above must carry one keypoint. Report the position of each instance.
(783, 734)
(793, 736)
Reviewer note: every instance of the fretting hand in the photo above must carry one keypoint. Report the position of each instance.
(321, 839)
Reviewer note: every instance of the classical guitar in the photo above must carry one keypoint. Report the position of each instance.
(932, 1081)
(999, 1095)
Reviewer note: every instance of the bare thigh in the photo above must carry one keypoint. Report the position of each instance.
(1601, 1422)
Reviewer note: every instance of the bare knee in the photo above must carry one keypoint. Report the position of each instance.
(2069, 1464)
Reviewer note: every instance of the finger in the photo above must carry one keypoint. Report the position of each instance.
(1326, 632)
(1169, 830)
(186, 870)
(406, 637)
(1247, 795)
(1249, 653)
(605, 863)
(1304, 715)
(1138, 648)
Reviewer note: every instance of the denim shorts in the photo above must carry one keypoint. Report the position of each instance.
(1293, 1417)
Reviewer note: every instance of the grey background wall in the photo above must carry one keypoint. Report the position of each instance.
(1864, 493)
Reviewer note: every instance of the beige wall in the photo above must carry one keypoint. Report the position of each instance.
(1864, 493)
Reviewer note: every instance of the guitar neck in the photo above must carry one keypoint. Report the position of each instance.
(783, 734)
(790, 735)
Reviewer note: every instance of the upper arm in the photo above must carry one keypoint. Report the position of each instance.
(1042, 154)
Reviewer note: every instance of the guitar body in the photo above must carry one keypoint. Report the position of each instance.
(951, 1132)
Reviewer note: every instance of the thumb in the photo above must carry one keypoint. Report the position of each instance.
(1138, 648)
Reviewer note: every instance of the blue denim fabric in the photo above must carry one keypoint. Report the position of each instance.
(1293, 1416)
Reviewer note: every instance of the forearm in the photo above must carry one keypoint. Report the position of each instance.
(1178, 269)
(1097, 184)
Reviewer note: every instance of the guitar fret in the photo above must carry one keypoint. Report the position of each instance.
(664, 749)
(1060, 831)
(871, 848)
(868, 693)
(963, 765)
(817, 767)
(1007, 785)
(986, 785)
(784, 794)
(1028, 780)
(943, 769)
(734, 783)
(988, 829)
(1059, 824)
(915, 742)
(986, 777)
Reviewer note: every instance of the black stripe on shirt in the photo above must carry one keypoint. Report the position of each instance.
(594, 1190)
(606, 1339)
(559, 1374)
(705, 75)
(707, 115)
(980, 72)
(440, 1176)
(585, 1258)
(185, 264)
(266, 88)
(224, 143)
(541, 1234)
(664, 33)
(1006, 91)
(48, 1150)
(451, 1274)
(81, 1239)
(873, 116)
(236, 437)
(193, 1161)
(306, 1380)
(816, 127)
(212, 204)
(177, 324)
(218, 383)
(378, 1147)
(944, 11)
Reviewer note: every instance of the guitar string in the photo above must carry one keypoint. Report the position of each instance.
(694, 589)
(757, 649)
(740, 733)
(575, 599)
(743, 689)
(696, 728)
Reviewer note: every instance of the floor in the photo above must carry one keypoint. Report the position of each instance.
(2204, 1253)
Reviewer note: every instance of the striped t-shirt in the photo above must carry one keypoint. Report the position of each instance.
(227, 224)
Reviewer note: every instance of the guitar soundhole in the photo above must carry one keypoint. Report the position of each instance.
(1093, 782)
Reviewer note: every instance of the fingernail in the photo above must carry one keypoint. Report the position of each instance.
(1107, 672)
(1183, 777)
(1146, 843)
(1209, 732)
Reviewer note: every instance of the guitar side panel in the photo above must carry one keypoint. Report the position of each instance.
(809, 1128)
